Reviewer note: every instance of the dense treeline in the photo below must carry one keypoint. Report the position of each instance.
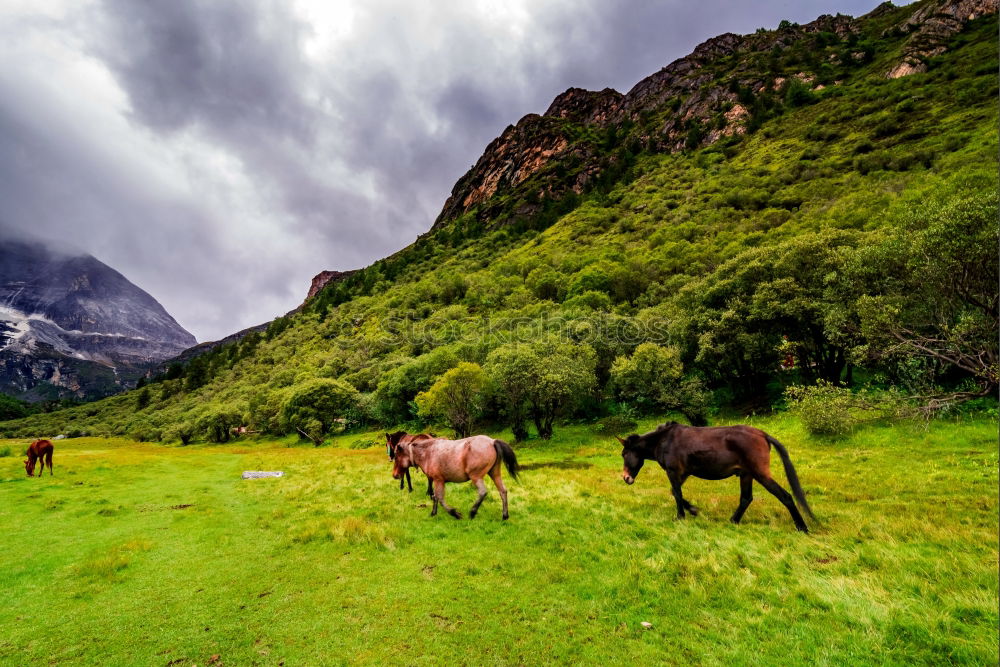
(848, 243)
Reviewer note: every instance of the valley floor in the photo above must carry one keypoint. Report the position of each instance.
(138, 554)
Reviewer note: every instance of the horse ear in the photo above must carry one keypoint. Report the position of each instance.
(619, 440)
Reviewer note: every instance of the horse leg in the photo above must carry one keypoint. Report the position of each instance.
(691, 509)
(746, 496)
(778, 492)
(430, 487)
(481, 485)
(49, 461)
(439, 496)
(409, 484)
(498, 482)
(675, 487)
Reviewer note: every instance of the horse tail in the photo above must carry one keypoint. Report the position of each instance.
(505, 453)
(793, 477)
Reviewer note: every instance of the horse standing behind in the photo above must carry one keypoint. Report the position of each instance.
(393, 439)
(715, 453)
(458, 461)
(39, 450)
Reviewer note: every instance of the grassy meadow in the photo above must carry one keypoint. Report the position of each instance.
(155, 555)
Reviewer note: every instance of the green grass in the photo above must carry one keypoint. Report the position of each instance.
(143, 554)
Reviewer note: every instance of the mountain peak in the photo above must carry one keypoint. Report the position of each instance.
(62, 313)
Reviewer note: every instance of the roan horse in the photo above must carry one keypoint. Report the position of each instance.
(399, 437)
(39, 450)
(715, 453)
(456, 461)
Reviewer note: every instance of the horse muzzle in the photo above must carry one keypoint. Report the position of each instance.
(629, 479)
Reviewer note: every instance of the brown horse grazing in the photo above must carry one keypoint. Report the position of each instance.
(458, 461)
(715, 453)
(39, 450)
(393, 439)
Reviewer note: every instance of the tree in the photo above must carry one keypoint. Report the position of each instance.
(541, 380)
(546, 283)
(653, 379)
(316, 405)
(142, 399)
(217, 424)
(930, 292)
(457, 397)
(735, 320)
(394, 394)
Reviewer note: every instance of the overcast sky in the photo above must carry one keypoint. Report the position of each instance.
(220, 154)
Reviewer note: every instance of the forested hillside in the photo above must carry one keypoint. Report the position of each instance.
(812, 206)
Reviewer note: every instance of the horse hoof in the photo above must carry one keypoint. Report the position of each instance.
(692, 511)
(505, 517)
(455, 514)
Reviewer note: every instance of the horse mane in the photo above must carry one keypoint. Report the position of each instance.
(421, 439)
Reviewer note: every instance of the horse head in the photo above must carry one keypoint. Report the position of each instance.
(401, 460)
(632, 456)
(29, 467)
(391, 440)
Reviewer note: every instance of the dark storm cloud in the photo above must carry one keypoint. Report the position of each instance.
(229, 66)
(220, 154)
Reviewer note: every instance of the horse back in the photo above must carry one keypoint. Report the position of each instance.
(460, 460)
(716, 452)
(40, 448)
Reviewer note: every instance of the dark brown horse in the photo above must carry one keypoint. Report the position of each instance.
(457, 461)
(39, 450)
(393, 439)
(715, 453)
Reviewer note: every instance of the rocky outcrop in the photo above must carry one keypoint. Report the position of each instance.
(931, 27)
(72, 322)
(683, 105)
(510, 159)
(587, 107)
(324, 278)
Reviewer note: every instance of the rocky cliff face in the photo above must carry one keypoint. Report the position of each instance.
(72, 326)
(696, 100)
(931, 27)
(324, 278)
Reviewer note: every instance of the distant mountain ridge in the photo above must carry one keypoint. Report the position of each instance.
(71, 326)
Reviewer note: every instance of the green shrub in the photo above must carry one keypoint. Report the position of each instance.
(620, 424)
(6, 451)
(825, 409)
(316, 405)
(798, 93)
(590, 299)
(141, 430)
(217, 425)
(182, 432)
(828, 409)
